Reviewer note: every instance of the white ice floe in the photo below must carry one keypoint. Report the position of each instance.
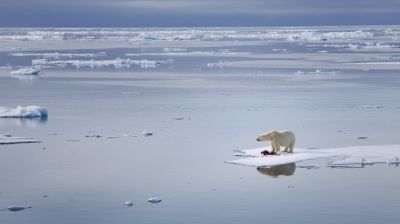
(128, 203)
(35, 70)
(154, 200)
(219, 53)
(23, 112)
(316, 72)
(378, 107)
(146, 133)
(7, 139)
(57, 55)
(117, 63)
(220, 64)
(356, 155)
(174, 49)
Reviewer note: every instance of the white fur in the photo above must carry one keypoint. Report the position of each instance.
(278, 139)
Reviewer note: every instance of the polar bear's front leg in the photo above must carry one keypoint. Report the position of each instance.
(275, 146)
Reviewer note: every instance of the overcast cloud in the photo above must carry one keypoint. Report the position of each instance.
(171, 13)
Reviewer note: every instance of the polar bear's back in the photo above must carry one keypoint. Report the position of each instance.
(286, 138)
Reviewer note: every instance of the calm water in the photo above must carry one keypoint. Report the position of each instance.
(199, 114)
(87, 180)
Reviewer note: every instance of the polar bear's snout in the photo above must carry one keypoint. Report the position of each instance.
(263, 137)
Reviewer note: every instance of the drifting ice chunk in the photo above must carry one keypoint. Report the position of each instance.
(27, 71)
(17, 208)
(23, 112)
(146, 133)
(4, 140)
(128, 203)
(154, 200)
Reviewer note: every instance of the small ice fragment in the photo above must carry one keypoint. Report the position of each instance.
(93, 136)
(17, 208)
(6, 135)
(154, 200)
(179, 118)
(128, 203)
(362, 137)
(146, 133)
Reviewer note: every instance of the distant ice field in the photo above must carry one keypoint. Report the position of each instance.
(292, 49)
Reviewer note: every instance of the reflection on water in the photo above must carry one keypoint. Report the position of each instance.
(23, 122)
(275, 171)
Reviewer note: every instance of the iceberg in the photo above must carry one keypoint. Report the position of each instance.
(23, 112)
(355, 155)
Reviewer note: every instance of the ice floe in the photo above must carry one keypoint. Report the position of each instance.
(220, 64)
(57, 55)
(117, 63)
(146, 133)
(35, 70)
(128, 203)
(378, 107)
(154, 200)
(17, 208)
(8, 139)
(316, 72)
(355, 155)
(23, 112)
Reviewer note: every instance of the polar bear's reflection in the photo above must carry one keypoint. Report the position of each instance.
(278, 170)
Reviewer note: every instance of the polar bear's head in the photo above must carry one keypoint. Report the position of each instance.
(264, 137)
(267, 136)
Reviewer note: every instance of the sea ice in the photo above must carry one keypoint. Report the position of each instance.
(146, 133)
(27, 71)
(57, 55)
(388, 154)
(128, 203)
(23, 112)
(17, 208)
(154, 200)
(117, 63)
(378, 107)
(8, 139)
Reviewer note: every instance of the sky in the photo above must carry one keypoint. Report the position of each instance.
(196, 13)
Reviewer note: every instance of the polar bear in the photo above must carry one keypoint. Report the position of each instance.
(278, 139)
